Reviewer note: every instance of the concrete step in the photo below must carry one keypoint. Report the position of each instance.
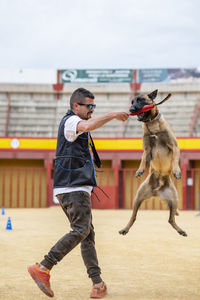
(32, 104)
(2, 132)
(34, 116)
(30, 127)
(2, 121)
(31, 109)
(32, 122)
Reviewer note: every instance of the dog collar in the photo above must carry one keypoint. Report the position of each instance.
(156, 116)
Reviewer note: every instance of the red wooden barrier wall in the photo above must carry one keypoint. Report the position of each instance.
(32, 187)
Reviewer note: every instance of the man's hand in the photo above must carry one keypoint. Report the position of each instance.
(121, 116)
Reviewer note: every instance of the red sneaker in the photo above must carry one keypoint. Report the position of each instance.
(41, 279)
(98, 291)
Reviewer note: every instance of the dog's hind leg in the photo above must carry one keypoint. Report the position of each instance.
(143, 193)
(169, 194)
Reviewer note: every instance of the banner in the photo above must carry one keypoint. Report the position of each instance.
(126, 75)
(168, 75)
(152, 75)
(96, 76)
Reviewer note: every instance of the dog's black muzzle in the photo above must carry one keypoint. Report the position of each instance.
(143, 116)
(133, 109)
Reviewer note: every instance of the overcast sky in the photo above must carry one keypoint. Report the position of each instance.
(60, 34)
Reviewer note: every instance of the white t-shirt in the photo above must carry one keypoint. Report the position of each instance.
(71, 134)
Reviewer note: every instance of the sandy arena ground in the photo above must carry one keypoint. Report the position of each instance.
(152, 262)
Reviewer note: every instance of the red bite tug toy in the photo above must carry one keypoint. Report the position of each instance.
(145, 108)
(150, 106)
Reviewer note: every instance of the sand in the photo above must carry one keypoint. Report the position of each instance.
(152, 262)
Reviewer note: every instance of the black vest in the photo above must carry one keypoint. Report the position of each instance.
(73, 164)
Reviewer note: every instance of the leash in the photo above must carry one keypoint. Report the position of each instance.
(102, 192)
(165, 99)
(97, 160)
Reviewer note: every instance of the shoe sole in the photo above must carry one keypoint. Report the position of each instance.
(99, 296)
(39, 284)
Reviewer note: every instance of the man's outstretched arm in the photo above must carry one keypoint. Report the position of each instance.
(97, 122)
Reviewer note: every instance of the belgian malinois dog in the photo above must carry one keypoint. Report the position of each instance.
(162, 153)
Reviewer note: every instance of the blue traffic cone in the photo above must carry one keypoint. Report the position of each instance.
(9, 225)
(3, 210)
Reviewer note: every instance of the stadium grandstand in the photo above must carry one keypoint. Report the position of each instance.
(30, 112)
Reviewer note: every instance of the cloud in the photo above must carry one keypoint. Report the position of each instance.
(99, 33)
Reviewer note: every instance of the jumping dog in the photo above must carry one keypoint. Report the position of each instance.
(162, 153)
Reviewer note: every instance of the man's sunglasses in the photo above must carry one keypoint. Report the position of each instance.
(90, 106)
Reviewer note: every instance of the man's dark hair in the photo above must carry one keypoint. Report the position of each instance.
(79, 95)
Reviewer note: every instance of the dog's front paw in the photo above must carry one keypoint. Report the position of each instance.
(139, 173)
(177, 174)
(123, 231)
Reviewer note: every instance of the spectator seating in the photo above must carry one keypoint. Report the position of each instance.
(35, 111)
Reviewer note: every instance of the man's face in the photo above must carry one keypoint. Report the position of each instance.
(83, 111)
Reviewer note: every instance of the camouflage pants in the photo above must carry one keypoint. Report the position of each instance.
(77, 207)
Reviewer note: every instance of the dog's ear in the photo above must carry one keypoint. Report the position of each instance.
(153, 95)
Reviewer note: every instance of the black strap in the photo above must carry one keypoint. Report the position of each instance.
(102, 192)
(96, 158)
(166, 98)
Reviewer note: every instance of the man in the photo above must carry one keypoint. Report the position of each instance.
(74, 179)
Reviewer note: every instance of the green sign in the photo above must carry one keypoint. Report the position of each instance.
(96, 76)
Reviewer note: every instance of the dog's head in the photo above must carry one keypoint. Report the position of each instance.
(140, 101)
